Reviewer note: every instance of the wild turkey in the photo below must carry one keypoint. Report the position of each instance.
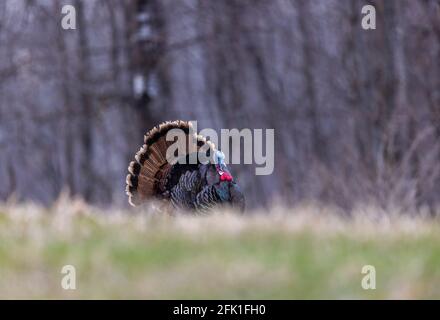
(194, 187)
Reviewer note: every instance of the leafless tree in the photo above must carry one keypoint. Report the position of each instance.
(356, 112)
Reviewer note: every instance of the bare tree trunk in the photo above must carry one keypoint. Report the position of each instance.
(69, 117)
(87, 114)
(115, 41)
(318, 143)
(147, 47)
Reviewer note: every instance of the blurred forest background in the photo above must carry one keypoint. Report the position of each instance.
(356, 113)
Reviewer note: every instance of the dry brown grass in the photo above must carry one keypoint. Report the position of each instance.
(305, 252)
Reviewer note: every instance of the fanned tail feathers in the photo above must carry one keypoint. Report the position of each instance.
(148, 173)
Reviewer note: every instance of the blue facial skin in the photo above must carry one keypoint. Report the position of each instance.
(220, 161)
(219, 158)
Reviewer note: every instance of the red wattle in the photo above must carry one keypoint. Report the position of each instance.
(225, 177)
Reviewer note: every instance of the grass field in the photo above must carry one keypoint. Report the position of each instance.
(306, 252)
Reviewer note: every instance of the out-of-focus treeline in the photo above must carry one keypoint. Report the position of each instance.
(356, 112)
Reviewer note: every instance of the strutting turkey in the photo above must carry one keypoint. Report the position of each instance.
(191, 187)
